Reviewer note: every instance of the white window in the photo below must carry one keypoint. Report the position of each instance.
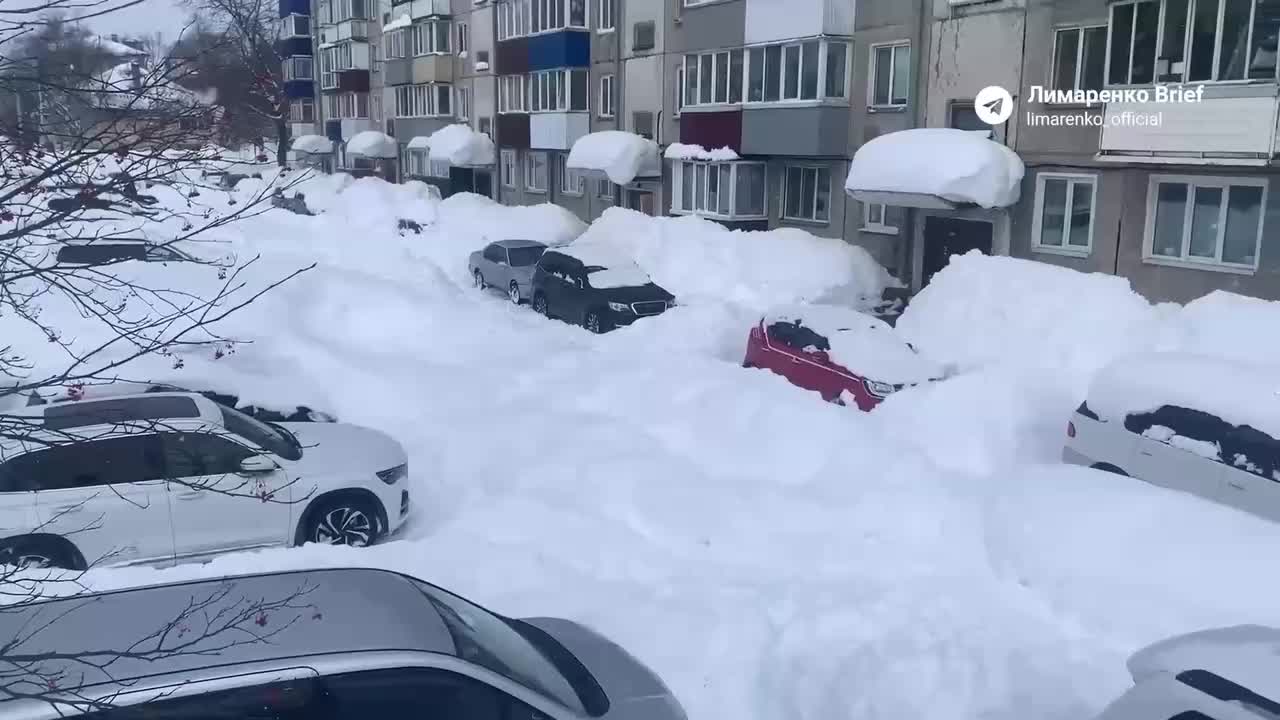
(604, 189)
(526, 17)
(464, 103)
(572, 182)
(295, 26)
(604, 15)
(1206, 221)
(804, 71)
(1190, 41)
(713, 78)
(394, 44)
(679, 89)
(891, 75)
(694, 3)
(464, 37)
(807, 194)
(605, 106)
(1063, 217)
(535, 171)
(1079, 58)
(508, 160)
(349, 105)
(430, 100)
(299, 68)
(350, 10)
(729, 190)
(558, 91)
(511, 94)
(875, 219)
(302, 110)
(430, 38)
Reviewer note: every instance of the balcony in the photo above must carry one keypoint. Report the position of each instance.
(298, 89)
(557, 130)
(809, 131)
(425, 8)
(293, 47)
(1231, 125)
(397, 71)
(353, 81)
(293, 7)
(348, 30)
(770, 20)
(566, 48)
(432, 69)
(513, 130)
(712, 130)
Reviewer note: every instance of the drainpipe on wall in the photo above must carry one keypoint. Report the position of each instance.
(493, 74)
(917, 110)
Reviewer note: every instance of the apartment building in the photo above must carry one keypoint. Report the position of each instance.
(295, 47)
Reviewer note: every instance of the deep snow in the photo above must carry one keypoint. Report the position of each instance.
(771, 555)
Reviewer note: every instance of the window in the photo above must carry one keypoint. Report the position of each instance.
(464, 37)
(558, 91)
(526, 17)
(485, 126)
(394, 44)
(298, 68)
(604, 15)
(344, 10)
(805, 71)
(807, 194)
(495, 254)
(679, 89)
(279, 699)
(85, 464)
(399, 692)
(189, 455)
(876, 218)
(535, 171)
(643, 35)
(1191, 41)
(605, 107)
(604, 189)
(730, 189)
(295, 26)
(1206, 221)
(508, 169)
(837, 70)
(695, 3)
(429, 38)
(1063, 216)
(418, 162)
(572, 182)
(1079, 58)
(464, 103)
(302, 110)
(642, 122)
(891, 75)
(511, 94)
(430, 100)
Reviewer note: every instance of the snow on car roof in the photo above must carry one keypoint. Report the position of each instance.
(619, 270)
(1247, 655)
(1237, 392)
(862, 343)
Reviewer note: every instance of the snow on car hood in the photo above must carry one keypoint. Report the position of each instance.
(863, 344)
(338, 447)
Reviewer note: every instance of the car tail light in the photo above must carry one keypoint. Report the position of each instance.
(1071, 429)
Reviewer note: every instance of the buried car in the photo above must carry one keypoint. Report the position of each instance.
(278, 413)
(844, 355)
(595, 288)
(506, 265)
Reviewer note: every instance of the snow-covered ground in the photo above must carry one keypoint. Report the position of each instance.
(769, 554)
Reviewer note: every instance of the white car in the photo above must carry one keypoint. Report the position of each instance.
(159, 478)
(1228, 673)
(1204, 426)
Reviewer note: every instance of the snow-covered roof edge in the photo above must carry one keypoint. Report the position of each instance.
(682, 151)
(461, 146)
(312, 145)
(954, 166)
(373, 144)
(622, 156)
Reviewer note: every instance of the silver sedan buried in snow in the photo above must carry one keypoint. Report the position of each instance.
(506, 265)
(343, 644)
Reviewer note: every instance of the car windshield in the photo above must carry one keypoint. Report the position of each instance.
(524, 256)
(488, 641)
(273, 439)
(621, 275)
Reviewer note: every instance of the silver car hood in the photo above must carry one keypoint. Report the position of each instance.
(634, 691)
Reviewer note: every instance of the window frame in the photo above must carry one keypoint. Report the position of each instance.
(605, 104)
(720, 96)
(1073, 181)
(543, 94)
(677, 189)
(508, 168)
(463, 39)
(813, 203)
(893, 74)
(605, 20)
(1193, 181)
(290, 25)
(1080, 58)
(565, 173)
(880, 228)
(523, 18)
(529, 168)
(1162, 14)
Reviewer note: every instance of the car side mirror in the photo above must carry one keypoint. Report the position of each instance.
(255, 464)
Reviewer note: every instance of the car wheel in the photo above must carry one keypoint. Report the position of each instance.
(540, 305)
(593, 323)
(348, 521)
(514, 293)
(478, 280)
(35, 554)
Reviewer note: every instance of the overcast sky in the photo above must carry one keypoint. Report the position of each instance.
(145, 18)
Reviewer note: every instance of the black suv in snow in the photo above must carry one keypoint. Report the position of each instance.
(594, 289)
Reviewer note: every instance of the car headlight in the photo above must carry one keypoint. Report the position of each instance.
(879, 389)
(671, 303)
(391, 476)
(619, 307)
(321, 417)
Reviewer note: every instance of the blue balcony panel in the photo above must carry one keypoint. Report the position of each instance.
(298, 89)
(568, 48)
(292, 7)
(294, 46)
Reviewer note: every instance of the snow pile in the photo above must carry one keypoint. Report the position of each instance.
(373, 144)
(1227, 325)
(983, 310)
(697, 258)
(955, 165)
(460, 146)
(622, 156)
(861, 343)
(403, 21)
(681, 151)
(618, 271)
(1239, 393)
(114, 47)
(1243, 654)
(312, 145)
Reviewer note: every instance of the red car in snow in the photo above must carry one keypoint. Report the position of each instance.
(846, 356)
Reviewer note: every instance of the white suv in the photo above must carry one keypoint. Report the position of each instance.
(163, 477)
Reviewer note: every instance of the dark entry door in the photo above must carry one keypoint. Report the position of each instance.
(944, 237)
(483, 184)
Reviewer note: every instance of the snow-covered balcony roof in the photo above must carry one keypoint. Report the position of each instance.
(373, 144)
(621, 156)
(312, 145)
(458, 145)
(936, 168)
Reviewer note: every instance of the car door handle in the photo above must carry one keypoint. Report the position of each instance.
(191, 495)
(1238, 487)
(68, 508)
(1144, 452)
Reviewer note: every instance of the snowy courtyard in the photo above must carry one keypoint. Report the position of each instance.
(769, 554)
